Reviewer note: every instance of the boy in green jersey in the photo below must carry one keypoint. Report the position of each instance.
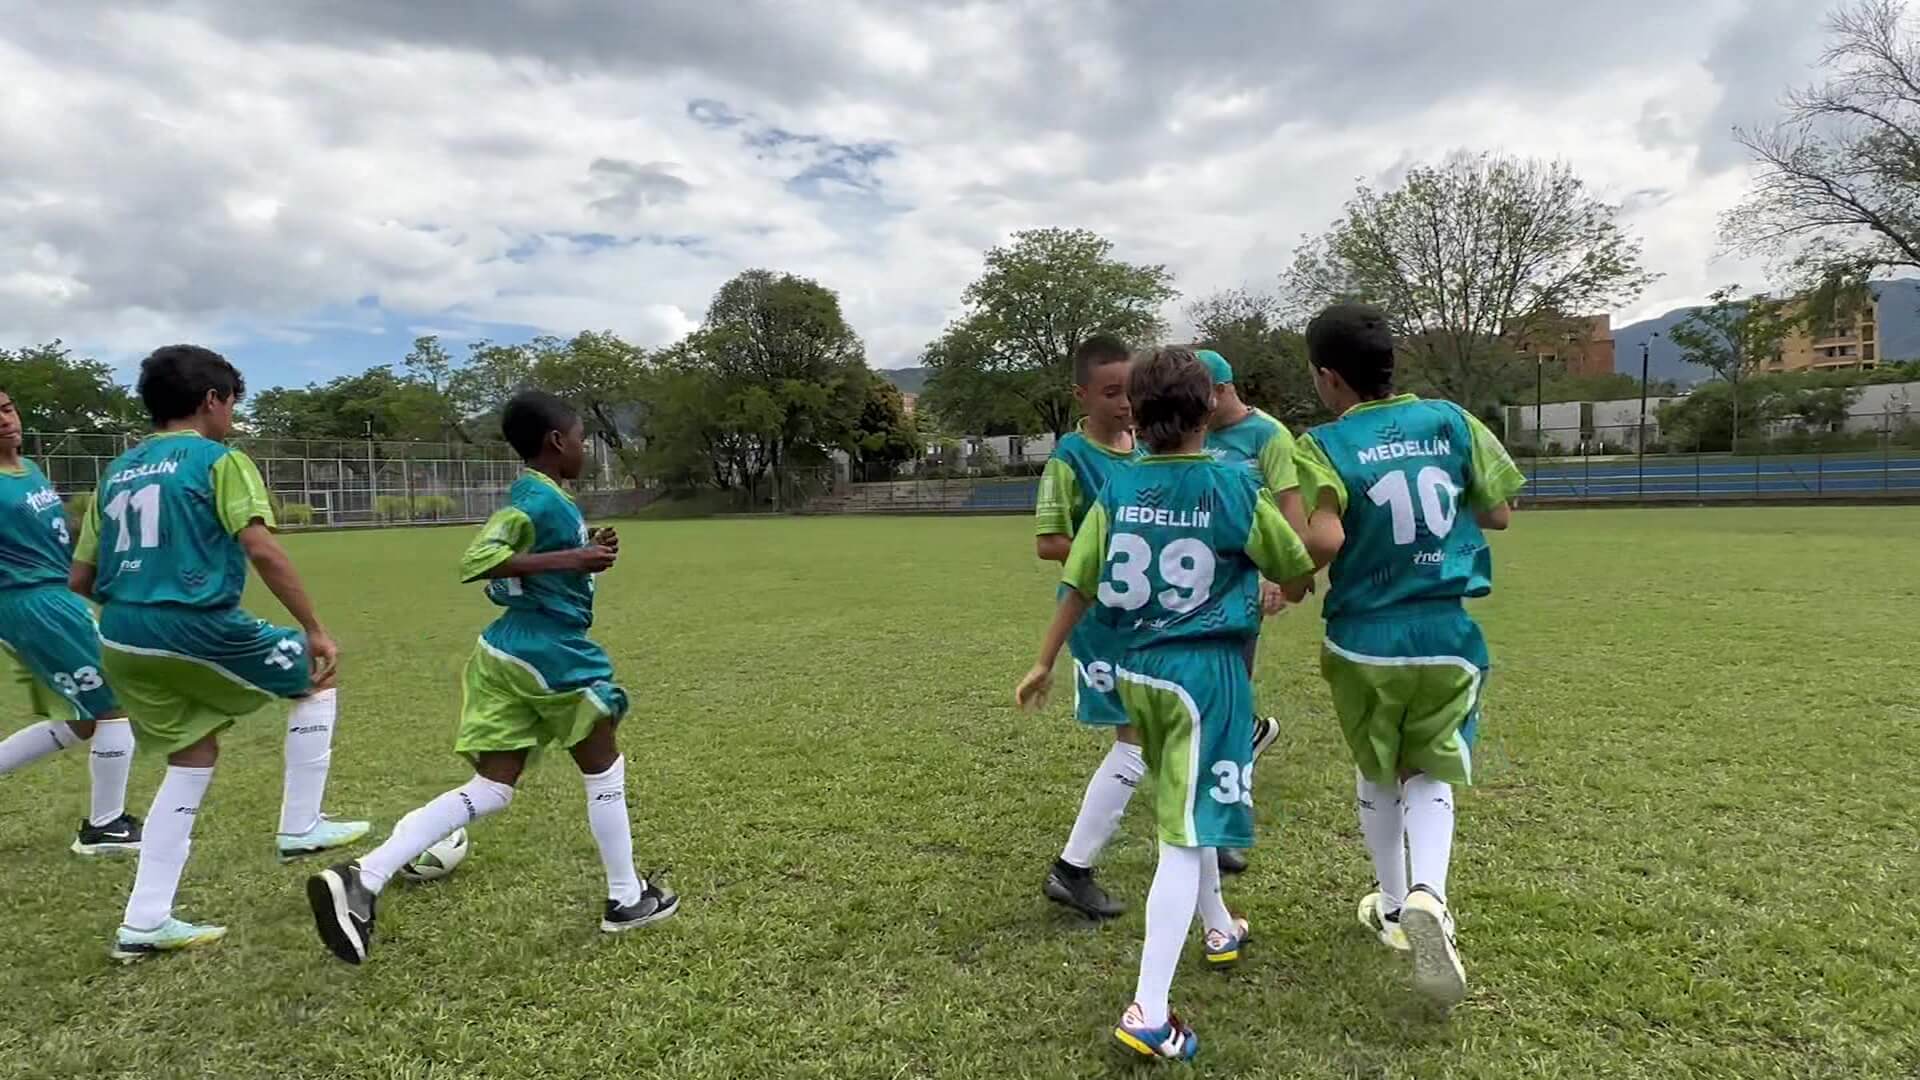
(50, 636)
(1412, 484)
(1238, 433)
(1079, 467)
(165, 548)
(1169, 559)
(534, 679)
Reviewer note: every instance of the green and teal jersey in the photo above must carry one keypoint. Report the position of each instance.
(1173, 550)
(539, 517)
(35, 546)
(1421, 469)
(1075, 473)
(165, 522)
(1262, 444)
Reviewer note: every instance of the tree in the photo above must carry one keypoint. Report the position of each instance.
(1038, 299)
(1468, 254)
(57, 391)
(1733, 337)
(481, 386)
(793, 372)
(1837, 194)
(429, 364)
(600, 374)
(965, 394)
(884, 436)
(1613, 386)
(376, 401)
(1269, 359)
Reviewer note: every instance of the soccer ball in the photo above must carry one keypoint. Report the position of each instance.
(439, 860)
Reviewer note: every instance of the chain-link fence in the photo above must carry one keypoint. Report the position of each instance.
(322, 482)
(1866, 456)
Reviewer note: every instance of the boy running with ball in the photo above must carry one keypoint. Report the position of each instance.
(1413, 483)
(1169, 560)
(535, 679)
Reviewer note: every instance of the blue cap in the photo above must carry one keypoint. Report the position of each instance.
(1217, 365)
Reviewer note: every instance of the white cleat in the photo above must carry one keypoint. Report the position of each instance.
(1437, 973)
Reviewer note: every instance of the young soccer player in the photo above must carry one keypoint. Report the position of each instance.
(165, 547)
(51, 637)
(1239, 433)
(1079, 468)
(1170, 559)
(1413, 483)
(534, 679)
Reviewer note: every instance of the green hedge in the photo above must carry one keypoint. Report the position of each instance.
(296, 513)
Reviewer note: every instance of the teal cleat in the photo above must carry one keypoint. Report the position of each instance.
(326, 836)
(1173, 1040)
(173, 935)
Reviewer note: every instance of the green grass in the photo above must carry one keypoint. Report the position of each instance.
(1692, 855)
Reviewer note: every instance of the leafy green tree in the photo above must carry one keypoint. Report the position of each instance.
(57, 391)
(1733, 337)
(1467, 254)
(1038, 299)
(884, 436)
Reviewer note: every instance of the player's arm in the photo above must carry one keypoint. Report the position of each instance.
(240, 499)
(1282, 476)
(1495, 480)
(1277, 550)
(1053, 511)
(504, 549)
(1084, 564)
(1325, 497)
(86, 554)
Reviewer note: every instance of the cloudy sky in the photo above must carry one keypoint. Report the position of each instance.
(310, 185)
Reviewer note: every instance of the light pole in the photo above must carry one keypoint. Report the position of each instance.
(1640, 440)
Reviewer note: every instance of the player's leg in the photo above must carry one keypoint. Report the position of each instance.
(1070, 881)
(59, 660)
(1370, 695)
(632, 901)
(499, 727)
(1436, 754)
(149, 926)
(1218, 687)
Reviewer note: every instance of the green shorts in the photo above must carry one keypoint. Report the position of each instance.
(50, 636)
(1191, 704)
(187, 673)
(1406, 686)
(532, 683)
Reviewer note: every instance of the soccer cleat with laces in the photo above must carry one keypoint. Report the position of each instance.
(173, 935)
(325, 836)
(1073, 886)
(1173, 1040)
(121, 836)
(1265, 733)
(1233, 860)
(1223, 949)
(343, 911)
(1384, 924)
(656, 904)
(1437, 971)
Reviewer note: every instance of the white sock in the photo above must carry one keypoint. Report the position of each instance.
(1384, 827)
(1105, 804)
(30, 744)
(1170, 904)
(309, 752)
(1213, 906)
(164, 843)
(1429, 809)
(428, 825)
(612, 831)
(109, 760)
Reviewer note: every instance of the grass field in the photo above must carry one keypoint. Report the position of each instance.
(1692, 855)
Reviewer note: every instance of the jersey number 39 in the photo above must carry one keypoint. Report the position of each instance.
(1186, 567)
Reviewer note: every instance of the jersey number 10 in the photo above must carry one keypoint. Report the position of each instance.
(1392, 492)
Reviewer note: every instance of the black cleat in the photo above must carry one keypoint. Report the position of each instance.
(1233, 860)
(1073, 886)
(656, 904)
(343, 911)
(1265, 733)
(117, 837)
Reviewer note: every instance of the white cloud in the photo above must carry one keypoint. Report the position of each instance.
(206, 170)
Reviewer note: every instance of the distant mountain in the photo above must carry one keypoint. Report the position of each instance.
(1899, 336)
(910, 380)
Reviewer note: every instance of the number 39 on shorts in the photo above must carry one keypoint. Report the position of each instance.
(1234, 783)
